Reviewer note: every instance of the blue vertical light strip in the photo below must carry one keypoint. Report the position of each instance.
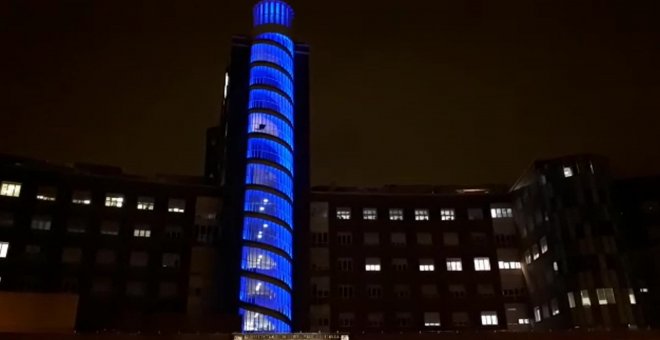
(267, 251)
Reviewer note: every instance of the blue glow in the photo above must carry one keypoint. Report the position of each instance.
(265, 294)
(268, 232)
(274, 54)
(265, 203)
(268, 176)
(270, 150)
(271, 125)
(260, 323)
(268, 76)
(266, 262)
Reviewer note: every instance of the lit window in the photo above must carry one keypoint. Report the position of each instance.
(643, 290)
(371, 239)
(447, 214)
(528, 257)
(10, 189)
(554, 306)
(555, 266)
(426, 265)
(396, 214)
(509, 265)
(46, 194)
(481, 264)
(454, 265)
(568, 171)
(178, 206)
(501, 212)
(584, 296)
(142, 231)
(523, 321)
(431, 319)
(537, 314)
(421, 215)
(369, 214)
(571, 300)
(343, 213)
(605, 296)
(81, 197)
(145, 203)
(535, 251)
(544, 245)
(631, 297)
(224, 91)
(41, 223)
(425, 239)
(4, 248)
(372, 264)
(489, 318)
(114, 200)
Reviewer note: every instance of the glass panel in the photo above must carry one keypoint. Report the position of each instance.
(265, 295)
(271, 151)
(268, 263)
(263, 231)
(268, 204)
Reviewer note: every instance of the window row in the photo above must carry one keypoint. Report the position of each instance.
(83, 197)
(447, 214)
(405, 319)
(110, 257)
(398, 238)
(375, 291)
(537, 249)
(373, 264)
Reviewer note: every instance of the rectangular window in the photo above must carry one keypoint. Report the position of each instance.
(424, 239)
(343, 213)
(631, 297)
(546, 311)
(345, 264)
(457, 291)
(507, 265)
(371, 239)
(426, 265)
(173, 232)
(375, 320)
(479, 238)
(167, 289)
(429, 291)
(4, 248)
(537, 314)
(454, 265)
(81, 197)
(41, 223)
(485, 290)
(346, 291)
(605, 296)
(135, 289)
(571, 300)
(568, 172)
(372, 264)
(110, 228)
(10, 189)
(501, 213)
(374, 291)
(32, 249)
(421, 214)
(46, 194)
(450, 239)
(523, 321)
(447, 214)
(555, 266)
(172, 260)
(400, 265)
(71, 255)
(145, 203)
(535, 251)
(396, 214)
(142, 231)
(460, 319)
(320, 239)
(106, 257)
(401, 291)
(528, 257)
(475, 214)
(431, 319)
(369, 214)
(176, 206)
(139, 259)
(346, 319)
(489, 319)
(344, 239)
(544, 244)
(6, 219)
(554, 306)
(481, 264)
(114, 200)
(584, 296)
(398, 239)
(403, 319)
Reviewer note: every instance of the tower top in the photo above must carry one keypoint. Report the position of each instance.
(272, 12)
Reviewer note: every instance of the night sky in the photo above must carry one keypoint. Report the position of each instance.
(442, 92)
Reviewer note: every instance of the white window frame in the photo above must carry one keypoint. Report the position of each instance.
(142, 231)
(568, 172)
(396, 214)
(422, 215)
(145, 203)
(454, 264)
(426, 265)
(496, 213)
(447, 214)
(509, 265)
(343, 213)
(10, 189)
(369, 214)
(372, 264)
(114, 200)
(489, 318)
(482, 264)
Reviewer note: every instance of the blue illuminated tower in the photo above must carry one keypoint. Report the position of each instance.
(266, 275)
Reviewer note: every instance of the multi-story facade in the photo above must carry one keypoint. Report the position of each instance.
(403, 259)
(137, 251)
(569, 236)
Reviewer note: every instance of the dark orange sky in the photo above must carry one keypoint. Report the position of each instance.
(442, 91)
